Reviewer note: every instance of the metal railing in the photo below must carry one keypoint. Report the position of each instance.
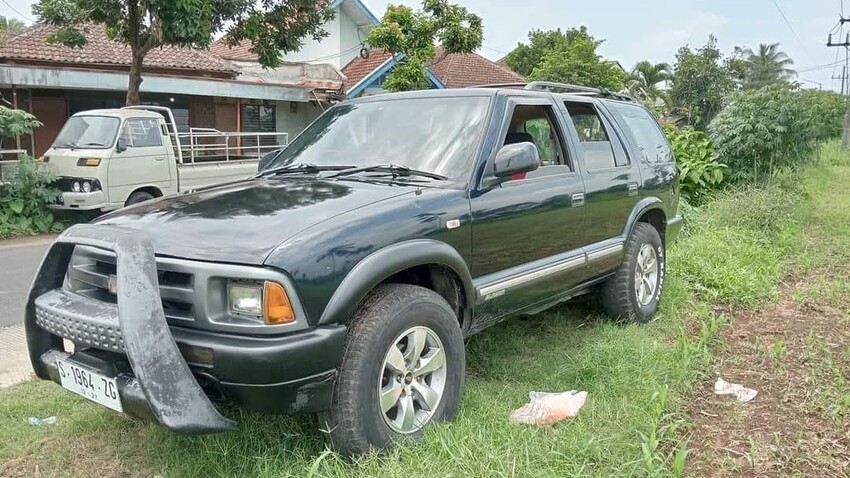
(6, 164)
(210, 145)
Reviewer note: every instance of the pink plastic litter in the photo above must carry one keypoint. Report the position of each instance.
(546, 408)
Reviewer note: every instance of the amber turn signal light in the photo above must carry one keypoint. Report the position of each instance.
(88, 162)
(278, 309)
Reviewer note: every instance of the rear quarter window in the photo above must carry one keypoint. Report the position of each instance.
(647, 134)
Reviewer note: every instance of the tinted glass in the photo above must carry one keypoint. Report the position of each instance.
(438, 135)
(595, 144)
(648, 135)
(95, 132)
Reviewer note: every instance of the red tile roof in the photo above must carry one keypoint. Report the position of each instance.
(360, 67)
(455, 70)
(31, 45)
(458, 70)
(240, 52)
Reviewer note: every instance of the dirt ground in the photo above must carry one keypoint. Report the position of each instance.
(797, 355)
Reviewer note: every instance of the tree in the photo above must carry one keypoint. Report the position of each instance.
(11, 25)
(644, 79)
(565, 57)
(700, 83)
(273, 26)
(767, 66)
(411, 39)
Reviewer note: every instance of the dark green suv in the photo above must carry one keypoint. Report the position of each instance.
(343, 278)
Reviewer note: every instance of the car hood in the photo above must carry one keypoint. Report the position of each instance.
(244, 221)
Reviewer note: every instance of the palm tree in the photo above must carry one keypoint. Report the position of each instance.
(644, 79)
(768, 65)
(11, 25)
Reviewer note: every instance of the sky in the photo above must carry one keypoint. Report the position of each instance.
(652, 29)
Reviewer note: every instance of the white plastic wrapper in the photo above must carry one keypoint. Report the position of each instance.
(741, 393)
(546, 408)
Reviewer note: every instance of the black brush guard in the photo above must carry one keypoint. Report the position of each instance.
(161, 386)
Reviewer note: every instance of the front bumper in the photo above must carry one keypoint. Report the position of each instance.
(168, 374)
(70, 201)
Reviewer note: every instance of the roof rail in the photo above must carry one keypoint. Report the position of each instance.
(502, 85)
(554, 87)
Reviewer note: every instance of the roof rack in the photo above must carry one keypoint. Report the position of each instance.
(553, 87)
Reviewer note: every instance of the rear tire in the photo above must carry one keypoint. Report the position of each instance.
(634, 292)
(403, 367)
(137, 197)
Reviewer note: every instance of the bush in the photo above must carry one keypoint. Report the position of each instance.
(773, 128)
(699, 171)
(15, 122)
(25, 200)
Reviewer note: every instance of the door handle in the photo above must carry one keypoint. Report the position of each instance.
(159, 159)
(633, 189)
(577, 199)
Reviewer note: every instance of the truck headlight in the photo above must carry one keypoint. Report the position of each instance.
(267, 301)
(75, 187)
(86, 186)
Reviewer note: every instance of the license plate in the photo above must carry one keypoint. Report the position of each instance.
(92, 385)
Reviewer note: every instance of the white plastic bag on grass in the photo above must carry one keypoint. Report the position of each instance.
(546, 408)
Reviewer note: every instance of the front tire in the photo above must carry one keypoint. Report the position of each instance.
(403, 367)
(137, 197)
(634, 292)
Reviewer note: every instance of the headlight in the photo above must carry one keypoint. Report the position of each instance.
(75, 187)
(245, 298)
(266, 301)
(86, 186)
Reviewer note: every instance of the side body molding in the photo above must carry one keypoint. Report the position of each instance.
(381, 264)
(171, 391)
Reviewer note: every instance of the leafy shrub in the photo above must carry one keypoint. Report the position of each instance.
(15, 122)
(25, 200)
(773, 128)
(699, 171)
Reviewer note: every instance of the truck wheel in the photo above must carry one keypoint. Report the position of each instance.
(403, 367)
(137, 197)
(635, 290)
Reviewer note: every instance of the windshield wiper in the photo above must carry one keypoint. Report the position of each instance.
(66, 146)
(394, 169)
(300, 168)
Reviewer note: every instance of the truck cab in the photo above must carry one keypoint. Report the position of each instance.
(110, 158)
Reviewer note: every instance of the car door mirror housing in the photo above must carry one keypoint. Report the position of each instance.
(121, 146)
(516, 158)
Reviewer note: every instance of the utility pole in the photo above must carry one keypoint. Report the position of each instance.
(845, 136)
(843, 78)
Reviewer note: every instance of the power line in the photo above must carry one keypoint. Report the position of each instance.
(788, 23)
(16, 11)
(820, 67)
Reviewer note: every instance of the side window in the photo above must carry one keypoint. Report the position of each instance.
(141, 133)
(594, 138)
(536, 124)
(647, 133)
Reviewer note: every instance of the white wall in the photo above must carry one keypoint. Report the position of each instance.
(294, 123)
(343, 35)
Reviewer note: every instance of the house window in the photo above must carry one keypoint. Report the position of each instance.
(259, 119)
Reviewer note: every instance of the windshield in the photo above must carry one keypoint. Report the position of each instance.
(437, 135)
(88, 132)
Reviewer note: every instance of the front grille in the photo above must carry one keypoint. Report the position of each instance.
(91, 270)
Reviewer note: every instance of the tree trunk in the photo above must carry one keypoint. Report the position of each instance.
(135, 79)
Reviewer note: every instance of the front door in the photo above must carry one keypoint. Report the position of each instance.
(528, 232)
(52, 112)
(144, 163)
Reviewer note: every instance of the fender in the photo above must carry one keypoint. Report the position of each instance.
(390, 260)
(640, 208)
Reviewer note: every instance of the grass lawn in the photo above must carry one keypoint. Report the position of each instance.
(732, 257)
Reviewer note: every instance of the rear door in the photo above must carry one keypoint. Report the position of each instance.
(144, 163)
(528, 232)
(612, 179)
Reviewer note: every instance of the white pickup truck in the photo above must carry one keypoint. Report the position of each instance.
(111, 158)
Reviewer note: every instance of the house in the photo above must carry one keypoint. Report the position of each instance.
(365, 74)
(224, 88)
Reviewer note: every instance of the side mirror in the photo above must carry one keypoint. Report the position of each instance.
(121, 146)
(516, 158)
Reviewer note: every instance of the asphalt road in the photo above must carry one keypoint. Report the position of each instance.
(19, 260)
